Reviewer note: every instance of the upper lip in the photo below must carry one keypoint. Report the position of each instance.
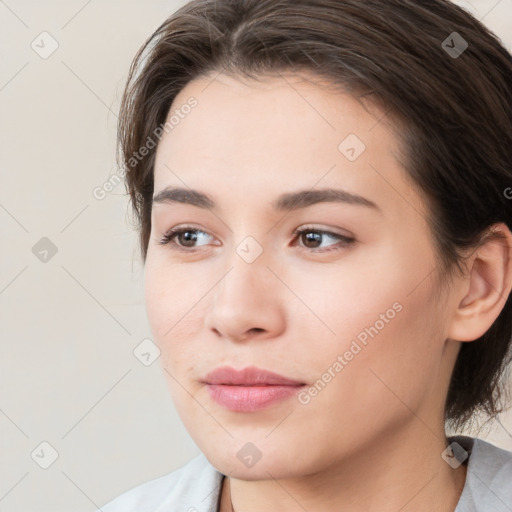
(250, 376)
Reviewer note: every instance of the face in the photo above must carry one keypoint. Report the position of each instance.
(335, 290)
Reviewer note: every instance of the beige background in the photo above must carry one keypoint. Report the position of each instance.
(69, 326)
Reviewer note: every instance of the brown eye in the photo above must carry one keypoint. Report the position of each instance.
(187, 238)
(311, 239)
(322, 241)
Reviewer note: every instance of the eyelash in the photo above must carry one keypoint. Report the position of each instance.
(344, 241)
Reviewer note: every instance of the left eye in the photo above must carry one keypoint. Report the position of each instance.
(318, 239)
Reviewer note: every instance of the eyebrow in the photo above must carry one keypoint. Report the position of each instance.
(285, 202)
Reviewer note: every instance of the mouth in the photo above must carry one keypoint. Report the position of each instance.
(250, 389)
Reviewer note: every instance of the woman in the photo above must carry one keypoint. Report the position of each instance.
(321, 192)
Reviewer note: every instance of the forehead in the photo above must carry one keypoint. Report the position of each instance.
(280, 111)
(276, 132)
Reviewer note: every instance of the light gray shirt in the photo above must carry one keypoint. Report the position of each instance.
(196, 486)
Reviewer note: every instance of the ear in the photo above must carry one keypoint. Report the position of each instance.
(486, 286)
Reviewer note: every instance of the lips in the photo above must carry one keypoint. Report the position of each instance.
(249, 390)
(250, 376)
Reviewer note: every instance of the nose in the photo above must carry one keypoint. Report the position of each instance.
(246, 304)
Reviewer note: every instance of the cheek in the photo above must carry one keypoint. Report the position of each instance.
(383, 360)
(336, 303)
(380, 321)
(349, 323)
(175, 301)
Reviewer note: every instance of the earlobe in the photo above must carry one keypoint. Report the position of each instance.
(486, 286)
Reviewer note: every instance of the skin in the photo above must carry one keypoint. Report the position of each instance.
(372, 438)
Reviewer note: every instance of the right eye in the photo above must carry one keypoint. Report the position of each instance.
(185, 237)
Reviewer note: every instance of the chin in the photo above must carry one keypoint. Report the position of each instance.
(271, 464)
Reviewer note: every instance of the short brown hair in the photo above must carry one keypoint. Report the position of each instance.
(431, 65)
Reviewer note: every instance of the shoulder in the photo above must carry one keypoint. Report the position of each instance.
(194, 487)
(488, 479)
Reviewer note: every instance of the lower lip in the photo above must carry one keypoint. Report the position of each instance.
(249, 398)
